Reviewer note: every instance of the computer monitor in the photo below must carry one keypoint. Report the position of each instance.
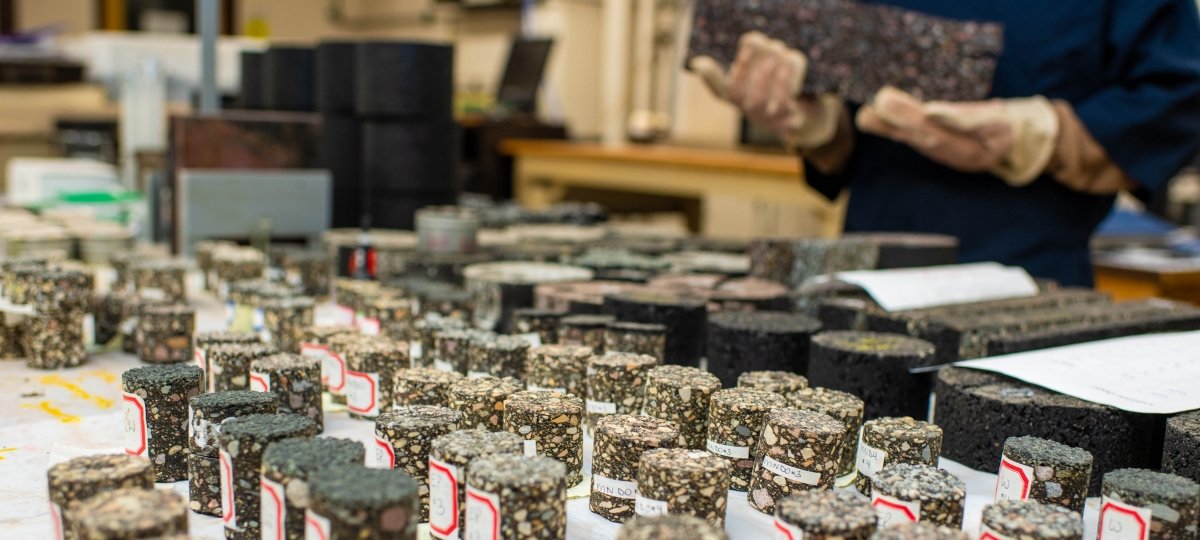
(523, 74)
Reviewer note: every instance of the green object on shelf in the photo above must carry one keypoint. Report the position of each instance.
(98, 197)
(88, 197)
(117, 206)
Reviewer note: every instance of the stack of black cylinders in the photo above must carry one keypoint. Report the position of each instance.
(288, 78)
(410, 142)
(251, 96)
(341, 131)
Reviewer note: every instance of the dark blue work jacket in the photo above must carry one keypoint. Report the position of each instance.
(1130, 68)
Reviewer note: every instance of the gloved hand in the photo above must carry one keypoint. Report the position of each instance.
(1011, 138)
(765, 82)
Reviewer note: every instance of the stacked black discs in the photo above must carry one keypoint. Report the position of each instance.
(251, 80)
(341, 131)
(288, 78)
(403, 93)
(740, 342)
(875, 367)
(335, 77)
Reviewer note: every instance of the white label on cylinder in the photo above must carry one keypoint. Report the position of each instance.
(601, 407)
(197, 430)
(736, 452)
(316, 526)
(368, 326)
(258, 320)
(56, 521)
(612, 487)
(129, 325)
(89, 330)
(137, 433)
(322, 354)
(228, 510)
(483, 515)
(415, 349)
(786, 531)
(385, 453)
(530, 448)
(362, 393)
(892, 511)
(533, 338)
(274, 510)
(650, 507)
(794, 474)
(260, 382)
(478, 374)
(442, 365)
(870, 459)
(1120, 521)
(443, 500)
(344, 316)
(1013, 481)
(536, 388)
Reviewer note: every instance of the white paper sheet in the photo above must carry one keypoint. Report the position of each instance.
(915, 288)
(1153, 374)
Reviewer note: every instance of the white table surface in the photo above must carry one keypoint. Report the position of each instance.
(50, 416)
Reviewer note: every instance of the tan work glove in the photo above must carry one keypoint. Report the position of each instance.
(765, 82)
(1011, 138)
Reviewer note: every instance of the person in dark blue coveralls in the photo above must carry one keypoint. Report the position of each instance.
(1090, 97)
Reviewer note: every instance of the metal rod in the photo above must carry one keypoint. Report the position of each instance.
(207, 19)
